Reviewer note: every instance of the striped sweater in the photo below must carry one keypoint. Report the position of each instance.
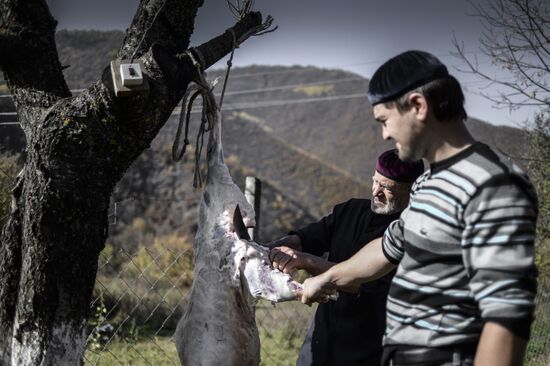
(465, 252)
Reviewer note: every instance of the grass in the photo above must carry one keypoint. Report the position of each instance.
(141, 310)
(145, 351)
(279, 348)
(282, 329)
(143, 295)
(538, 353)
(538, 348)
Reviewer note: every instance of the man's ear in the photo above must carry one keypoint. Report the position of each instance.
(419, 104)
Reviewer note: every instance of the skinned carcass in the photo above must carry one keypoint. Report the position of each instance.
(231, 273)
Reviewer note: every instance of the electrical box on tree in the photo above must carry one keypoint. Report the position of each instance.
(128, 78)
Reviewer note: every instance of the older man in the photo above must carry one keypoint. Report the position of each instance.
(463, 248)
(349, 331)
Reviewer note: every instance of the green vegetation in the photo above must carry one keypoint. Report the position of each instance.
(142, 296)
(144, 351)
(147, 288)
(278, 349)
(539, 171)
(537, 350)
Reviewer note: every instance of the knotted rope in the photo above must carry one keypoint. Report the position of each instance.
(204, 89)
(208, 115)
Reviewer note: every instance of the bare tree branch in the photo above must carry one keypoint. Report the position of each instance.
(516, 40)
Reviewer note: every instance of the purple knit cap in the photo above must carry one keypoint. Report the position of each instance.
(390, 166)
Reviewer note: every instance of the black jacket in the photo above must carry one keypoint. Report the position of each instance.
(347, 331)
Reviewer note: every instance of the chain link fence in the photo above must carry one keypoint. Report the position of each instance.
(139, 299)
(538, 349)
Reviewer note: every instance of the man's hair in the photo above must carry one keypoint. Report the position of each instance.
(444, 95)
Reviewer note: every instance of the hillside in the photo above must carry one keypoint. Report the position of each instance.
(86, 54)
(327, 114)
(308, 133)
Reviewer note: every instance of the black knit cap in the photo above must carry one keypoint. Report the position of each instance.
(403, 73)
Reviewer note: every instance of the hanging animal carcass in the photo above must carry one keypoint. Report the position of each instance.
(231, 272)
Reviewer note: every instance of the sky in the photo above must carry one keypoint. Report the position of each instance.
(354, 35)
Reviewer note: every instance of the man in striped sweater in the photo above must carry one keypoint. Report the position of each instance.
(463, 248)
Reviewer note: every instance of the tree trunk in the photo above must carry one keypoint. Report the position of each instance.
(77, 150)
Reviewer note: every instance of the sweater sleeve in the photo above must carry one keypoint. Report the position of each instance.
(392, 241)
(498, 252)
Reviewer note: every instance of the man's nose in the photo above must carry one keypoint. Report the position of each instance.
(385, 134)
(376, 189)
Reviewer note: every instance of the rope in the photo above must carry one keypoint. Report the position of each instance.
(204, 89)
(229, 64)
(208, 115)
(187, 105)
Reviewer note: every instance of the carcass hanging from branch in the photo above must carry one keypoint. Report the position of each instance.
(231, 271)
(218, 327)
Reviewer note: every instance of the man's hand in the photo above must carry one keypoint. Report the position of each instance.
(288, 260)
(318, 289)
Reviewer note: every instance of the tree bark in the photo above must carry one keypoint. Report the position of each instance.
(77, 150)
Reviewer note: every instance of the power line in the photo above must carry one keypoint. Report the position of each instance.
(292, 86)
(317, 68)
(249, 91)
(272, 103)
(237, 92)
(251, 105)
(260, 104)
(263, 104)
(238, 76)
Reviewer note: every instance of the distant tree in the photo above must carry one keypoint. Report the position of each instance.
(539, 170)
(78, 148)
(516, 38)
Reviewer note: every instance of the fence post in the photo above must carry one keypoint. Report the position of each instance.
(253, 194)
